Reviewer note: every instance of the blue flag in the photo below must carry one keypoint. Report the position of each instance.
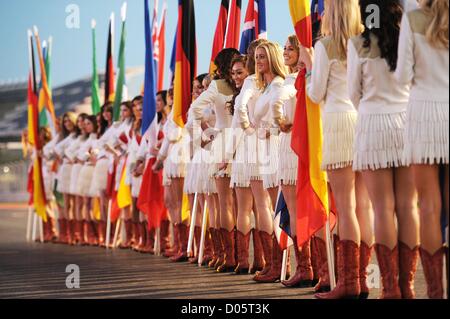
(149, 106)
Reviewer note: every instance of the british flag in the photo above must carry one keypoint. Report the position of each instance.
(282, 223)
(255, 26)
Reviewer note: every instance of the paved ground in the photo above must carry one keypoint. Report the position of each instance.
(33, 270)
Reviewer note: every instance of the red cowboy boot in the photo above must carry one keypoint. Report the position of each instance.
(149, 247)
(62, 231)
(71, 226)
(304, 274)
(365, 252)
(92, 238)
(258, 260)
(101, 231)
(324, 277)
(197, 236)
(134, 234)
(433, 270)
(274, 273)
(142, 237)
(183, 234)
(335, 249)
(129, 234)
(388, 262)
(315, 262)
(408, 259)
(229, 264)
(347, 286)
(243, 242)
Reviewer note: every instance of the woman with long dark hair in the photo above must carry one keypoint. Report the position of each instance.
(219, 93)
(85, 158)
(381, 102)
(328, 83)
(423, 62)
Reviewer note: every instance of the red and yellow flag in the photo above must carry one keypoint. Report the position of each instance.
(312, 192)
(186, 61)
(233, 25)
(37, 183)
(45, 96)
(219, 35)
(109, 73)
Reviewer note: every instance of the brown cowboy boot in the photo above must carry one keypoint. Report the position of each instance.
(71, 227)
(92, 240)
(336, 240)
(197, 236)
(208, 252)
(164, 232)
(266, 243)
(324, 277)
(128, 233)
(134, 234)
(229, 264)
(142, 232)
(183, 234)
(274, 273)
(433, 270)
(408, 259)
(216, 247)
(347, 286)
(303, 276)
(315, 262)
(365, 252)
(221, 245)
(243, 242)
(258, 260)
(174, 250)
(388, 262)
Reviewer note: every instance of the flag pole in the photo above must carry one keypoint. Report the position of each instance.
(41, 229)
(157, 245)
(116, 232)
(203, 234)
(191, 229)
(29, 221)
(330, 255)
(108, 225)
(284, 265)
(33, 235)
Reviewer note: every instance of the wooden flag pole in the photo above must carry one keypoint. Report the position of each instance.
(108, 225)
(41, 229)
(203, 234)
(192, 228)
(157, 246)
(284, 265)
(330, 255)
(116, 232)
(33, 235)
(29, 221)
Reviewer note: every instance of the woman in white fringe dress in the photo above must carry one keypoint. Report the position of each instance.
(327, 74)
(219, 93)
(423, 62)
(381, 102)
(84, 182)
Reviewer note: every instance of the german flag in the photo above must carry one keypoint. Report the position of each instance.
(219, 35)
(37, 184)
(109, 73)
(233, 25)
(312, 190)
(186, 61)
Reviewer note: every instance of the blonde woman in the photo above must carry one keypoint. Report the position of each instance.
(288, 166)
(423, 62)
(270, 75)
(328, 84)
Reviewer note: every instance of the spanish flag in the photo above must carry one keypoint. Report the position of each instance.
(186, 61)
(39, 200)
(312, 191)
(219, 35)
